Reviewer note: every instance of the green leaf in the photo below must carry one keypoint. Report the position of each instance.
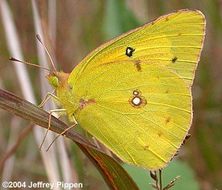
(118, 18)
(174, 169)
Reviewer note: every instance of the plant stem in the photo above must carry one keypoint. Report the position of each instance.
(160, 179)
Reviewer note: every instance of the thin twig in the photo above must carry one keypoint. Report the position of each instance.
(157, 181)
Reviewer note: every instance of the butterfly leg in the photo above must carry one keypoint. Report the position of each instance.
(62, 133)
(49, 123)
(48, 96)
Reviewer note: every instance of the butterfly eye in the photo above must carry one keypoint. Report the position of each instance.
(53, 80)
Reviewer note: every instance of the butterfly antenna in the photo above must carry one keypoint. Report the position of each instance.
(27, 63)
(50, 58)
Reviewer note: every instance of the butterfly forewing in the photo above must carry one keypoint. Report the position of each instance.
(174, 40)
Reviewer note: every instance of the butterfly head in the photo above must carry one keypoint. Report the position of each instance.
(58, 79)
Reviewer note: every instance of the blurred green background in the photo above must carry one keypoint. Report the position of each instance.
(81, 26)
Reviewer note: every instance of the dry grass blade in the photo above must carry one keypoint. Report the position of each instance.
(12, 150)
(44, 89)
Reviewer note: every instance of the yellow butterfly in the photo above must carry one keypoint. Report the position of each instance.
(134, 93)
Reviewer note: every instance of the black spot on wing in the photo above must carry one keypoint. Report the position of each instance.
(174, 59)
(129, 51)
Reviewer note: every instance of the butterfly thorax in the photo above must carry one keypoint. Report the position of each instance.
(64, 92)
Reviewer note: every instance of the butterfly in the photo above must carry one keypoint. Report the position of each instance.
(133, 93)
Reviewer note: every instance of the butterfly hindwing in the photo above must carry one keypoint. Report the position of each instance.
(142, 116)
